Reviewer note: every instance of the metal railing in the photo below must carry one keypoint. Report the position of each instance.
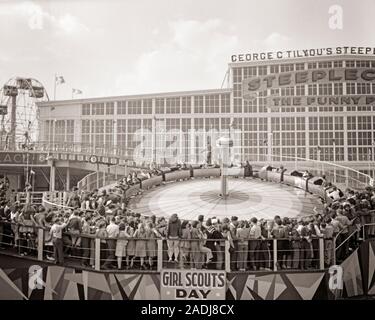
(74, 147)
(347, 240)
(100, 179)
(342, 176)
(154, 254)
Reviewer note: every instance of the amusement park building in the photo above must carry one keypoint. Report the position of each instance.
(336, 130)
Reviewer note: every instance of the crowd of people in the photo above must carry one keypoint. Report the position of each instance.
(129, 240)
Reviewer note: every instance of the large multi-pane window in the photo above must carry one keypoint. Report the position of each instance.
(363, 88)
(300, 66)
(98, 133)
(160, 106)
(349, 63)
(363, 64)
(147, 106)
(286, 67)
(108, 133)
(60, 131)
(248, 72)
(86, 132)
(69, 131)
(250, 139)
(364, 123)
(86, 109)
(121, 107)
(135, 107)
(198, 104)
(121, 133)
(325, 64)
(262, 70)
(212, 103)
(337, 89)
(300, 90)
(98, 109)
(312, 89)
(287, 91)
(325, 89)
(325, 123)
(312, 65)
(134, 125)
(274, 68)
(186, 105)
(337, 64)
(225, 103)
(172, 105)
(109, 108)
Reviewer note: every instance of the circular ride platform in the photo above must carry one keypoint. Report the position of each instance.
(247, 198)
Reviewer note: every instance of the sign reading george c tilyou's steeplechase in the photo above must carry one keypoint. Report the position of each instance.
(192, 284)
(306, 53)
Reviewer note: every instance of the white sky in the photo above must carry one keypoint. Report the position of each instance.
(144, 46)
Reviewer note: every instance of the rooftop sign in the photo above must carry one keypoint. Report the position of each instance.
(293, 78)
(307, 53)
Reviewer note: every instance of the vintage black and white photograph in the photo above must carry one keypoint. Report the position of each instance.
(187, 151)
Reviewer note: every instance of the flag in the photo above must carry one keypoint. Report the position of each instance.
(76, 91)
(52, 108)
(319, 148)
(32, 171)
(59, 79)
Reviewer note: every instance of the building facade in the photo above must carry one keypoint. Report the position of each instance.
(183, 126)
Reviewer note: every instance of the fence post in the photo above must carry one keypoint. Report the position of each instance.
(97, 254)
(159, 264)
(274, 254)
(40, 243)
(28, 197)
(321, 253)
(334, 251)
(227, 256)
(97, 175)
(363, 233)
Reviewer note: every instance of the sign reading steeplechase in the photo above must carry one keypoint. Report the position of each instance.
(256, 86)
(192, 285)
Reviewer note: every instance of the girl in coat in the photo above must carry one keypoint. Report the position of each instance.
(140, 244)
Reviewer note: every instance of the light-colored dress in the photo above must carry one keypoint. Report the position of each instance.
(121, 245)
(151, 245)
(140, 245)
(130, 249)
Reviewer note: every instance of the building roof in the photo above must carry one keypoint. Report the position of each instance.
(131, 97)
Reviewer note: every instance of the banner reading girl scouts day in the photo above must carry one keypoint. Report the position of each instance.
(192, 285)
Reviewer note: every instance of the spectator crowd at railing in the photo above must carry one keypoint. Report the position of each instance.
(98, 230)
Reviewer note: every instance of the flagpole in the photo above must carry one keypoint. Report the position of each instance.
(54, 89)
(155, 140)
